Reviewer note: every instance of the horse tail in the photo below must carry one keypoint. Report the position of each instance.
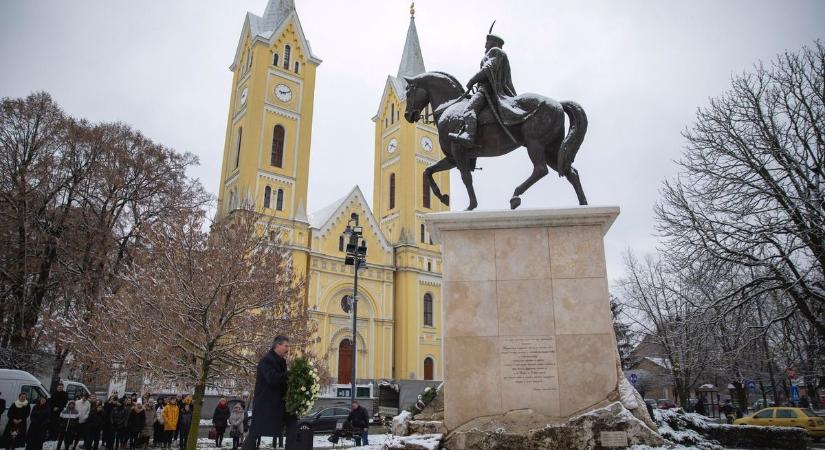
(575, 135)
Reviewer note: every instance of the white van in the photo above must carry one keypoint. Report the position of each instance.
(12, 383)
(75, 389)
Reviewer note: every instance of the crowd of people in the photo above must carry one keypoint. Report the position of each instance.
(127, 422)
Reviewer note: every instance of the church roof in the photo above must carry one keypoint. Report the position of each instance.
(264, 28)
(325, 217)
(412, 63)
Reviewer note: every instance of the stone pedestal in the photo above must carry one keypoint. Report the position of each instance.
(527, 321)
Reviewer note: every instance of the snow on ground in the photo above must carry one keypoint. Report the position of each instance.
(321, 441)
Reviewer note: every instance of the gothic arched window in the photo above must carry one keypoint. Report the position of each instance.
(392, 113)
(297, 66)
(340, 243)
(276, 157)
(426, 198)
(267, 196)
(275, 60)
(287, 51)
(428, 310)
(423, 233)
(279, 200)
(238, 151)
(392, 190)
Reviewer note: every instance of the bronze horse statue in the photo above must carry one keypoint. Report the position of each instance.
(542, 133)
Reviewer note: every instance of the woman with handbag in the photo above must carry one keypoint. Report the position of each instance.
(219, 419)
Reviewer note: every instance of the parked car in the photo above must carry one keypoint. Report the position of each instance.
(651, 402)
(325, 420)
(666, 404)
(12, 383)
(75, 389)
(759, 404)
(787, 417)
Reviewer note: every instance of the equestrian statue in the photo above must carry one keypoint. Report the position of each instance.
(489, 119)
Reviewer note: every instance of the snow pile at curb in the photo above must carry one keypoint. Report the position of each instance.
(417, 442)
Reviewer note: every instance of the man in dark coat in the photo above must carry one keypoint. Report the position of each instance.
(58, 401)
(360, 422)
(269, 409)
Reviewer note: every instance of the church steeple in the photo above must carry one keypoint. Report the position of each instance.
(412, 62)
(276, 12)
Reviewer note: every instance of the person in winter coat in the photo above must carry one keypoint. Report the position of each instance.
(2, 404)
(120, 423)
(269, 410)
(38, 425)
(18, 415)
(94, 425)
(83, 407)
(185, 421)
(219, 419)
(236, 425)
(360, 422)
(159, 434)
(108, 426)
(58, 401)
(68, 427)
(137, 420)
(148, 424)
(170, 421)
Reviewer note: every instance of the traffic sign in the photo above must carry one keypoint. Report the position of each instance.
(794, 393)
(634, 378)
(751, 385)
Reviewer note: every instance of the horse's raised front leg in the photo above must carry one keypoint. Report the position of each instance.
(540, 169)
(467, 178)
(444, 164)
(572, 176)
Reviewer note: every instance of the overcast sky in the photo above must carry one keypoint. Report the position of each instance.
(639, 68)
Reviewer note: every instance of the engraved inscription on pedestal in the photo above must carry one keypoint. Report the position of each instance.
(529, 362)
(613, 438)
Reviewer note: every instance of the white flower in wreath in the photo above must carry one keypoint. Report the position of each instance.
(303, 389)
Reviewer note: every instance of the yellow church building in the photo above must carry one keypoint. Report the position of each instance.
(266, 164)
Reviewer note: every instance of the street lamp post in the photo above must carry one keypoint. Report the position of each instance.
(356, 257)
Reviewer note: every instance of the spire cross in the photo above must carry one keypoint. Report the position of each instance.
(412, 10)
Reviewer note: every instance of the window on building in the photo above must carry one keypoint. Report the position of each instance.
(275, 59)
(287, 51)
(276, 156)
(428, 310)
(423, 234)
(267, 196)
(279, 200)
(426, 198)
(392, 190)
(428, 368)
(386, 122)
(238, 151)
(340, 243)
(429, 266)
(297, 66)
(392, 112)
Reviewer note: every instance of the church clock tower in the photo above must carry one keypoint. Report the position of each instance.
(268, 131)
(401, 198)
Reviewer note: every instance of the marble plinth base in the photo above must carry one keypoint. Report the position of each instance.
(527, 321)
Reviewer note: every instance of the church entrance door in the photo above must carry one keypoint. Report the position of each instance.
(345, 362)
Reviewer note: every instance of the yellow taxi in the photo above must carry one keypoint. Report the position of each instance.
(787, 417)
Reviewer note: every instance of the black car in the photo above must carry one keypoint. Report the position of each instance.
(325, 420)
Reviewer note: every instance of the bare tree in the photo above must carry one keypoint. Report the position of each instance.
(198, 307)
(659, 301)
(750, 194)
(73, 199)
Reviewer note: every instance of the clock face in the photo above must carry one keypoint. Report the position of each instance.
(283, 92)
(244, 95)
(392, 146)
(427, 144)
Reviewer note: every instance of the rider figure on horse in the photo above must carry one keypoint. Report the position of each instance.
(495, 86)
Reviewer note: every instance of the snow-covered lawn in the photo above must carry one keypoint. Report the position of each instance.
(321, 441)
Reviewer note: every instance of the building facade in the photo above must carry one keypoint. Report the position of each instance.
(266, 165)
